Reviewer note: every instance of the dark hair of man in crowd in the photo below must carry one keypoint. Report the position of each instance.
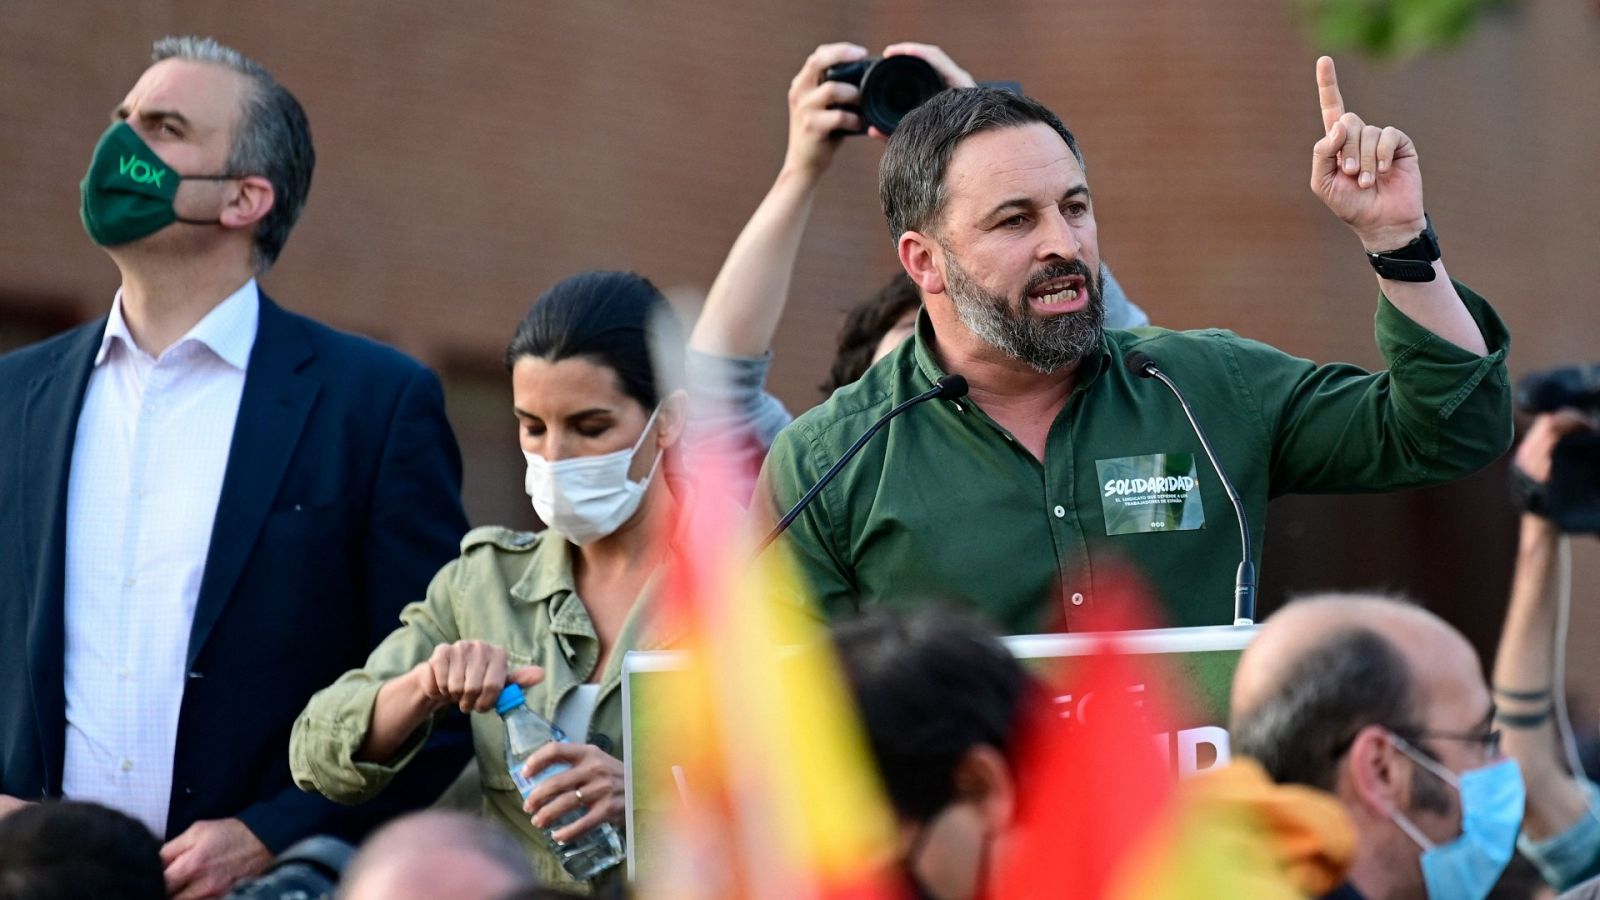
(1299, 731)
(78, 851)
(272, 139)
(618, 320)
(931, 686)
(911, 182)
(865, 326)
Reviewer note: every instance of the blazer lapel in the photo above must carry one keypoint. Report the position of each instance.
(272, 413)
(49, 430)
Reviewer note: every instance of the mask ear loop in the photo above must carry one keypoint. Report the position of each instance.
(1433, 768)
(656, 463)
(182, 178)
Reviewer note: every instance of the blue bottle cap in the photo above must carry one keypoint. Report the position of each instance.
(510, 698)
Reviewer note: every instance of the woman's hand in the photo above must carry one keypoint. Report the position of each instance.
(468, 675)
(594, 781)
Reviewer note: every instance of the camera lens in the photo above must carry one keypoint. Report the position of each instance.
(895, 86)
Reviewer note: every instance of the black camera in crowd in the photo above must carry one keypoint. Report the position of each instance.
(308, 870)
(1572, 497)
(890, 87)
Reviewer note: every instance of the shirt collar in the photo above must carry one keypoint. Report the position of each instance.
(549, 571)
(548, 579)
(228, 330)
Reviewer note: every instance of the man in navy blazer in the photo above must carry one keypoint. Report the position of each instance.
(211, 507)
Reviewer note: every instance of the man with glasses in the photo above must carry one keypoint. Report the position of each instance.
(1384, 705)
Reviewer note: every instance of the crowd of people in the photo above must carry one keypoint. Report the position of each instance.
(245, 607)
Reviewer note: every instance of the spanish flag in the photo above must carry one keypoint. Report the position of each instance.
(776, 791)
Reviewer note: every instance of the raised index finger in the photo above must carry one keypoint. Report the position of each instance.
(1328, 93)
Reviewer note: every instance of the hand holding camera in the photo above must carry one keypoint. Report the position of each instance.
(901, 80)
(841, 91)
(1557, 468)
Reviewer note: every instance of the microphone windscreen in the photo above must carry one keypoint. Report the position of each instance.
(952, 387)
(1139, 363)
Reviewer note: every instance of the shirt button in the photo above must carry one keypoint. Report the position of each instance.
(1077, 599)
(1060, 512)
(129, 582)
(123, 675)
(127, 765)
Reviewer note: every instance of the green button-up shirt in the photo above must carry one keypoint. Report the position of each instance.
(509, 588)
(945, 505)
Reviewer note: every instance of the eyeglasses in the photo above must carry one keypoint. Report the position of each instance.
(1489, 740)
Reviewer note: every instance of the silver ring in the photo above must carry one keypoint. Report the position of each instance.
(579, 793)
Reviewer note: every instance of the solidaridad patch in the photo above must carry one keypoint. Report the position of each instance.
(1158, 492)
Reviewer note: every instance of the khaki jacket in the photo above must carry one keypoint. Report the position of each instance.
(514, 589)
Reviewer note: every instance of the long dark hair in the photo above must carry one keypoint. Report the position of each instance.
(616, 319)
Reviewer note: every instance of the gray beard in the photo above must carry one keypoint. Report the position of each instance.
(1043, 343)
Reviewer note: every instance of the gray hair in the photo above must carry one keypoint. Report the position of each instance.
(453, 833)
(911, 184)
(1301, 729)
(273, 139)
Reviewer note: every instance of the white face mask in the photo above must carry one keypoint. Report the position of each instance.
(588, 497)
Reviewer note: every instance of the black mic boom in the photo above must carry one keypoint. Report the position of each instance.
(950, 387)
(1244, 584)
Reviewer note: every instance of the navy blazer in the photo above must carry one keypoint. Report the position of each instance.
(341, 499)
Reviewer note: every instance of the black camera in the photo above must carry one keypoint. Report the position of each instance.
(1572, 498)
(890, 88)
(308, 870)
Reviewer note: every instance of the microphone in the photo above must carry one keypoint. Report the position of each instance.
(950, 387)
(1244, 584)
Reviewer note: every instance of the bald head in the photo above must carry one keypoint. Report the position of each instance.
(437, 854)
(1324, 667)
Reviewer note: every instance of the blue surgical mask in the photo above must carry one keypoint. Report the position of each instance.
(1573, 855)
(1492, 799)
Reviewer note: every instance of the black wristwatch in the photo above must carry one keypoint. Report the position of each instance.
(1413, 262)
(1528, 494)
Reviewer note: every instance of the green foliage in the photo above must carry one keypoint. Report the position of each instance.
(1392, 28)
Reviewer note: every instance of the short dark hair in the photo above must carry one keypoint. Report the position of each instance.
(615, 319)
(78, 851)
(911, 183)
(865, 326)
(931, 685)
(1299, 730)
(273, 138)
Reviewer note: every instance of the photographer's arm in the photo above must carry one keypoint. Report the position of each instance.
(747, 299)
(1524, 671)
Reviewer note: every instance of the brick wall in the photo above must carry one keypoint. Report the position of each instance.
(471, 154)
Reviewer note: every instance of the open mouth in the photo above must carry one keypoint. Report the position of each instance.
(1068, 293)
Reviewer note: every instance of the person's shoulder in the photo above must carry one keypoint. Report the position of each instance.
(359, 355)
(854, 407)
(496, 555)
(1204, 347)
(498, 538)
(44, 354)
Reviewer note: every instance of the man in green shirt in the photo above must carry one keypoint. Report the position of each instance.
(1021, 499)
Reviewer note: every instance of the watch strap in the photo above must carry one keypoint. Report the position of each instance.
(1414, 261)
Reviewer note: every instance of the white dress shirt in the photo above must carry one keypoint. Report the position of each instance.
(147, 467)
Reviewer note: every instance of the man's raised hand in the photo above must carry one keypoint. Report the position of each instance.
(1367, 175)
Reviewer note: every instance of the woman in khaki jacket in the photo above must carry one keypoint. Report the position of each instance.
(553, 611)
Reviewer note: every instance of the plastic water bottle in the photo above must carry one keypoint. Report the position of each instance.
(590, 853)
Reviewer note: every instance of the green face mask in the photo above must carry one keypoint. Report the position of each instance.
(128, 190)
